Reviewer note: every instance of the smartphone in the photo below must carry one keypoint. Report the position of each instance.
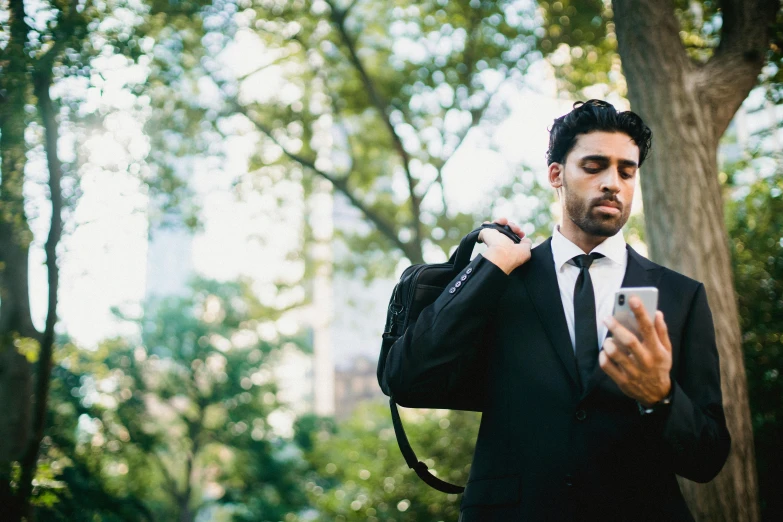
(622, 310)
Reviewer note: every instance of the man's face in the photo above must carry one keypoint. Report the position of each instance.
(598, 181)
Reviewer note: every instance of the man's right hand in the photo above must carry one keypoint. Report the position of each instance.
(503, 252)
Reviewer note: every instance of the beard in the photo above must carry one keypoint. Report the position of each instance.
(593, 222)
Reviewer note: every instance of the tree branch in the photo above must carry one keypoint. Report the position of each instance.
(338, 18)
(739, 57)
(67, 23)
(476, 115)
(270, 63)
(171, 484)
(387, 229)
(350, 7)
(341, 184)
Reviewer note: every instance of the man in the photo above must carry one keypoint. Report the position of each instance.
(582, 420)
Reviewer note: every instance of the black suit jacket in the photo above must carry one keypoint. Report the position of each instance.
(548, 449)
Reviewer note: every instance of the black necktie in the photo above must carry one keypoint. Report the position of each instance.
(585, 329)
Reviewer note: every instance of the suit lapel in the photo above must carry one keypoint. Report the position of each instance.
(541, 282)
(639, 271)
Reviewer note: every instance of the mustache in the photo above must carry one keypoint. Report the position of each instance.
(606, 199)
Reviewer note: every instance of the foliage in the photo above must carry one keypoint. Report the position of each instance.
(376, 101)
(578, 39)
(399, 90)
(358, 473)
(773, 74)
(755, 222)
(175, 426)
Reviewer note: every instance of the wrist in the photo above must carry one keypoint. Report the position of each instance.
(665, 393)
(661, 404)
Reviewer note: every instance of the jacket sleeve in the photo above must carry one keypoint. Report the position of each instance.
(694, 430)
(440, 358)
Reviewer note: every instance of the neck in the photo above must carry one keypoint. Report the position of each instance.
(587, 242)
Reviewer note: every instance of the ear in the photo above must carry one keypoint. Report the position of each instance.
(556, 173)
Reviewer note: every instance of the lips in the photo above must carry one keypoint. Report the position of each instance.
(609, 207)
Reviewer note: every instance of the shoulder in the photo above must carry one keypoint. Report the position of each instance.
(666, 276)
(681, 298)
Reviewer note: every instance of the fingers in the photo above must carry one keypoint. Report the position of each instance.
(620, 358)
(663, 331)
(517, 229)
(503, 221)
(643, 320)
(610, 368)
(626, 339)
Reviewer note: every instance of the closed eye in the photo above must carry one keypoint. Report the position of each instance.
(593, 169)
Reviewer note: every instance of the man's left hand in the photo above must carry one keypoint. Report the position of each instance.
(640, 367)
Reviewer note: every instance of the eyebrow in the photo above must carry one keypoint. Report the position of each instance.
(605, 159)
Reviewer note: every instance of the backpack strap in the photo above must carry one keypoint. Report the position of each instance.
(461, 256)
(410, 457)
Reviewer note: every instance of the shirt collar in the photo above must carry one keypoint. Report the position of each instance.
(563, 250)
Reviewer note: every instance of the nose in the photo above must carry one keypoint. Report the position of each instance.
(610, 181)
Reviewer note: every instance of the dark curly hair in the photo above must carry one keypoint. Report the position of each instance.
(595, 115)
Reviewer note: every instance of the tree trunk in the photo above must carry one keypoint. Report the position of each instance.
(15, 238)
(185, 514)
(688, 107)
(29, 462)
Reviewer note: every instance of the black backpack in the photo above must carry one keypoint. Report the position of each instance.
(419, 286)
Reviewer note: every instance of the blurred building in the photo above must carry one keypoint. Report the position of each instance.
(357, 322)
(354, 384)
(322, 310)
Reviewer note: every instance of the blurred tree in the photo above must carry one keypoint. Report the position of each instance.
(373, 101)
(41, 44)
(755, 220)
(359, 475)
(178, 426)
(53, 58)
(579, 41)
(377, 102)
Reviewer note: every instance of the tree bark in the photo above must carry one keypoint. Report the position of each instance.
(15, 234)
(688, 106)
(15, 238)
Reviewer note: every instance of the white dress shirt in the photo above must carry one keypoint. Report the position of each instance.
(607, 274)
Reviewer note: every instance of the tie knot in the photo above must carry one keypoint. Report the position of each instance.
(585, 260)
